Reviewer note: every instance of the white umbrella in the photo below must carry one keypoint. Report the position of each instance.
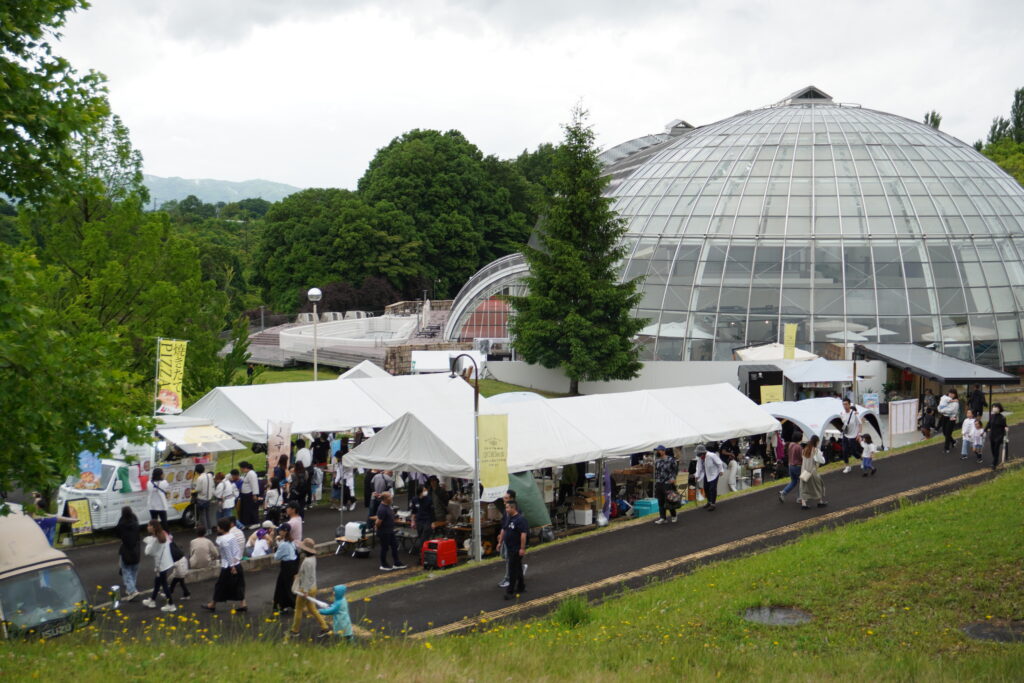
(878, 331)
(847, 335)
(961, 333)
(838, 326)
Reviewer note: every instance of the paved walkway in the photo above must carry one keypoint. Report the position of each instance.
(595, 565)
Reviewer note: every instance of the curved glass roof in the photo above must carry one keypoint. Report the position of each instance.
(855, 224)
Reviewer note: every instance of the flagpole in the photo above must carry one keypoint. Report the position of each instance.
(156, 378)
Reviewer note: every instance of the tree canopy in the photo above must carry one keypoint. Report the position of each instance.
(1005, 142)
(576, 315)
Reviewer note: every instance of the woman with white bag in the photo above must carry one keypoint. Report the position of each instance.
(812, 486)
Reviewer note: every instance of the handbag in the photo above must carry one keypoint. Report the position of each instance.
(672, 499)
(819, 458)
(176, 553)
(805, 475)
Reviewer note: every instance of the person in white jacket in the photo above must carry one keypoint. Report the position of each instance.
(709, 468)
(156, 499)
(158, 546)
(967, 435)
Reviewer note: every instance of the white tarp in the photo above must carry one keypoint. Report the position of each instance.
(819, 370)
(199, 439)
(365, 369)
(814, 415)
(717, 411)
(245, 411)
(438, 361)
(774, 351)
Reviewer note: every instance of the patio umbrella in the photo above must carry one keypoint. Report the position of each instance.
(847, 335)
(838, 326)
(878, 331)
(961, 333)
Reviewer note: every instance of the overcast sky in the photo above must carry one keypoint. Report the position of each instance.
(305, 91)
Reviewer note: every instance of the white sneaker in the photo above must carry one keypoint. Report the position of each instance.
(660, 521)
(385, 569)
(674, 519)
(129, 597)
(503, 584)
(846, 470)
(525, 567)
(149, 602)
(168, 608)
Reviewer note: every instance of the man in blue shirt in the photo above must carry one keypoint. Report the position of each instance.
(513, 537)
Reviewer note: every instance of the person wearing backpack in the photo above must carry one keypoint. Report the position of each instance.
(156, 499)
(179, 572)
(158, 546)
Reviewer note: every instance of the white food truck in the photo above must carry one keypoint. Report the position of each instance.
(108, 484)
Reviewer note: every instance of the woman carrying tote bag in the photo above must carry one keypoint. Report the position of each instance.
(812, 486)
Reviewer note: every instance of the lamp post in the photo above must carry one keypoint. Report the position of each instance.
(453, 363)
(315, 295)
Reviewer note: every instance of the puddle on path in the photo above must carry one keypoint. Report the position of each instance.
(777, 616)
(996, 631)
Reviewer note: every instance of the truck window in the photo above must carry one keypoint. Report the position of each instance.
(89, 483)
(54, 594)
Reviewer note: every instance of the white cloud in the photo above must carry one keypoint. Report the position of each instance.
(305, 92)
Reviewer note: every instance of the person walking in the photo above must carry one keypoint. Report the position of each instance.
(294, 521)
(179, 572)
(867, 457)
(298, 487)
(709, 468)
(978, 440)
(156, 500)
(977, 401)
(949, 417)
(423, 508)
(202, 552)
(287, 556)
(996, 432)
(851, 433)
(382, 483)
(129, 554)
(225, 492)
(304, 588)
(513, 535)
(666, 469)
(509, 497)
(158, 546)
(342, 622)
(206, 499)
(230, 584)
(794, 458)
(812, 486)
(385, 525)
(967, 434)
(248, 507)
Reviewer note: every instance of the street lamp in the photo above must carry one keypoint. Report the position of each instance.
(453, 363)
(315, 295)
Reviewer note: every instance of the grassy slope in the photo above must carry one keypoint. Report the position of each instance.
(889, 596)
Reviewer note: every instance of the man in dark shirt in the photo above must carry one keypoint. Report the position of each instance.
(513, 537)
(386, 534)
(977, 401)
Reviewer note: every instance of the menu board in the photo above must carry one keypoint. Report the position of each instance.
(79, 509)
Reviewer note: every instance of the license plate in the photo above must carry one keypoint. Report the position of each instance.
(58, 629)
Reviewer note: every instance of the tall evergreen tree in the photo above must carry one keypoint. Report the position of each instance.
(575, 315)
(933, 119)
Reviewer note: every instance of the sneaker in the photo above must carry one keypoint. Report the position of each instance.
(660, 520)
(822, 504)
(384, 569)
(804, 507)
(979, 461)
(323, 634)
(782, 498)
(149, 602)
(186, 597)
(874, 471)
(351, 507)
(400, 566)
(503, 584)
(130, 596)
(846, 470)
(864, 473)
(525, 567)
(674, 518)
(169, 608)
(963, 457)
(711, 507)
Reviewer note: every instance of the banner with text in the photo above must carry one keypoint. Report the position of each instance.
(170, 371)
(492, 435)
(771, 393)
(789, 336)
(279, 442)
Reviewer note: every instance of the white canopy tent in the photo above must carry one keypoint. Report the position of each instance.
(424, 362)
(365, 369)
(819, 370)
(815, 415)
(244, 412)
(773, 351)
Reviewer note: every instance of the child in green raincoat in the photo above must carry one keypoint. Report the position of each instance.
(339, 610)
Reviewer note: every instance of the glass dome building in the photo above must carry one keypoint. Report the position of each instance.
(855, 224)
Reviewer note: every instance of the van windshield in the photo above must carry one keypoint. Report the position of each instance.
(34, 598)
(89, 482)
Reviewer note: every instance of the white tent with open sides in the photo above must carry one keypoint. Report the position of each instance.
(364, 370)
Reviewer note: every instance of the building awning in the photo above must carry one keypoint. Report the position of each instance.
(934, 365)
(204, 439)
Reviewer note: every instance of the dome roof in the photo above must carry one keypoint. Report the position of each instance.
(854, 223)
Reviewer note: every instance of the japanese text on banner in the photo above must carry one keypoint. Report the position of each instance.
(279, 436)
(789, 352)
(170, 373)
(492, 432)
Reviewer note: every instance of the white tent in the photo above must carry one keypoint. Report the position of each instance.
(774, 351)
(717, 411)
(814, 415)
(365, 369)
(424, 362)
(819, 370)
(244, 412)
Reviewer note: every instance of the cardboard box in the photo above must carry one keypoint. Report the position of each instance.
(578, 517)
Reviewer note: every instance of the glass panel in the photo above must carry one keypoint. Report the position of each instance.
(795, 301)
(896, 326)
(892, 301)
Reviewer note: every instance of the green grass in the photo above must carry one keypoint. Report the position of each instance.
(277, 375)
(888, 595)
(490, 387)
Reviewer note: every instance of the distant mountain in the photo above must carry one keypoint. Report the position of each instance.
(212, 191)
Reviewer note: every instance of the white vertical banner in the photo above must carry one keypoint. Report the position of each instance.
(902, 417)
(492, 431)
(279, 442)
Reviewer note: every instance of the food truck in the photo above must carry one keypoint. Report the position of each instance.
(103, 485)
(41, 594)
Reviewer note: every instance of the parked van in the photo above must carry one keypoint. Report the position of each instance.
(40, 592)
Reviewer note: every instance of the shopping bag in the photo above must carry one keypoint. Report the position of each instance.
(805, 475)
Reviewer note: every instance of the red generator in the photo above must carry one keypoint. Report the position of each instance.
(439, 553)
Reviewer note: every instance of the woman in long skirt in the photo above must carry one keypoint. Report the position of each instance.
(812, 486)
(230, 584)
(284, 599)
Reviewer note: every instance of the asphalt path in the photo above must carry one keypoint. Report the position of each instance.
(596, 565)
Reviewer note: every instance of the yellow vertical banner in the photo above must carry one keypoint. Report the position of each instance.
(170, 371)
(789, 352)
(492, 442)
(771, 393)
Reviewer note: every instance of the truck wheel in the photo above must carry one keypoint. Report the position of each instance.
(188, 517)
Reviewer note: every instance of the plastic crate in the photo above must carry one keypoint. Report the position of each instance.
(645, 506)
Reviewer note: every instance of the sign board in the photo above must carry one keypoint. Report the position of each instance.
(789, 336)
(279, 442)
(492, 442)
(170, 372)
(903, 416)
(771, 393)
(870, 401)
(79, 509)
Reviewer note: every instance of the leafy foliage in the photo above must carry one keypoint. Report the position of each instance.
(44, 102)
(576, 315)
(933, 119)
(1005, 142)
